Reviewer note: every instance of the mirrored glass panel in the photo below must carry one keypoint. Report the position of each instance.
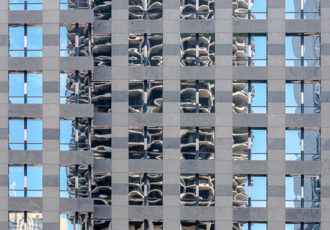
(302, 226)
(75, 134)
(101, 140)
(102, 9)
(195, 225)
(250, 9)
(145, 9)
(77, 221)
(74, 4)
(25, 220)
(25, 4)
(249, 226)
(197, 9)
(74, 181)
(101, 49)
(101, 96)
(302, 9)
(101, 224)
(101, 189)
(145, 224)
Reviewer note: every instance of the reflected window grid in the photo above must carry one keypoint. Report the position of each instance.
(302, 9)
(102, 49)
(147, 224)
(302, 191)
(99, 224)
(197, 9)
(145, 9)
(250, 9)
(197, 225)
(101, 141)
(197, 190)
(25, 4)
(25, 181)
(102, 9)
(75, 221)
(250, 225)
(101, 96)
(25, 88)
(101, 189)
(302, 226)
(75, 4)
(25, 220)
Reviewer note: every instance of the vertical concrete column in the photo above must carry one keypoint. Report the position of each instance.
(50, 119)
(171, 115)
(223, 114)
(325, 111)
(4, 114)
(120, 115)
(276, 114)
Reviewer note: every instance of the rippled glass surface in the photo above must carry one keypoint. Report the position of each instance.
(75, 40)
(70, 221)
(197, 9)
(102, 49)
(250, 9)
(102, 224)
(101, 189)
(145, 224)
(101, 140)
(102, 96)
(102, 9)
(74, 87)
(310, 9)
(145, 9)
(74, 134)
(74, 181)
(193, 225)
(28, 220)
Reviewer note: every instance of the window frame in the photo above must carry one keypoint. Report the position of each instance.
(250, 14)
(76, 219)
(145, 222)
(198, 223)
(25, 5)
(302, 13)
(64, 5)
(197, 15)
(145, 12)
(25, 218)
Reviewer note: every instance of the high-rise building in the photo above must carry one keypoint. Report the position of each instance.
(164, 114)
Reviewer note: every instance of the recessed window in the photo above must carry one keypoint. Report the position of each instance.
(249, 50)
(302, 226)
(25, 134)
(302, 191)
(249, 143)
(101, 189)
(75, 134)
(148, 224)
(25, 4)
(197, 189)
(197, 49)
(145, 189)
(102, 49)
(145, 142)
(249, 191)
(303, 97)
(199, 9)
(197, 96)
(25, 87)
(250, 9)
(145, 49)
(302, 49)
(25, 220)
(303, 144)
(196, 225)
(75, 181)
(302, 9)
(25, 41)
(249, 97)
(197, 143)
(145, 96)
(77, 220)
(146, 10)
(25, 181)
(249, 226)
(76, 4)
(102, 9)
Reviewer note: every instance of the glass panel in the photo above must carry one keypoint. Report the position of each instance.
(83, 133)
(206, 143)
(16, 88)
(102, 9)
(206, 190)
(15, 220)
(101, 96)
(206, 96)
(312, 145)
(311, 9)
(67, 182)
(136, 189)
(259, 9)
(136, 49)
(66, 222)
(293, 144)
(292, 192)
(259, 50)
(136, 143)
(259, 97)
(100, 224)
(16, 134)
(155, 142)
(34, 35)
(34, 134)
(240, 9)
(293, 97)
(240, 191)
(136, 96)
(67, 95)
(188, 96)
(240, 97)
(312, 192)
(66, 135)
(259, 144)
(258, 191)
(292, 50)
(188, 143)
(188, 49)
(101, 189)
(154, 184)
(101, 142)
(206, 49)
(312, 226)
(16, 41)
(34, 82)
(102, 50)
(64, 41)
(16, 181)
(155, 96)
(312, 97)
(240, 143)
(240, 50)
(311, 47)
(34, 221)
(188, 190)
(34, 181)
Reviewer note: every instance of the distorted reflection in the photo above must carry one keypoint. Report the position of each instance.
(25, 4)
(197, 9)
(302, 226)
(145, 224)
(25, 220)
(197, 96)
(75, 134)
(196, 225)
(249, 191)
(197, 143)
(74, 4)
(302, 191)
(145, 9)
(101, 96)
(102, 224)
(145, 96)
(101, 49)
(145, 189)
(73, 221)
(145, 143)
(101, 189)
(102, 9)
(75, 181)
(250, 9)
(249, 226)
(197, 49)
(101, 141)
(302, 9)
(197, 189)
(145, 49)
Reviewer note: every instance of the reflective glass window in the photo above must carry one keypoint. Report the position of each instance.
(101, 189)
(74, 221)
(25, 4)
(145, 224)
(302, 226)
(145, 9)
(249, 226)
(102, 9)
(101, 49)
(196, 225)
(197, 9)
(302, 9)
(101, 96)
(101, 141)
(25, 220)
(76, 4)
(250, 9)
(101, 224)
(75, 134)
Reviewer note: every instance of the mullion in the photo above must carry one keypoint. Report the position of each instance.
(76, 184)
(302, 9)
(25, 5)
(76, 88)
(145, 90)
(25, 181)
(197, 143)
(145, 10)
(197, 9)
(25, 87)
(76, 37)
(249, 96)
(249, 191)
(145, 192)
(145, 152)
(25, 133)
(145, 49)
(302, 190)
(145, 222)
(302, 99)
(197, 49)
(197, 95)
(302, 48)
(249, 9)
(197, 189)
(249, 50)
(25, 40)
(76, 134)
(302, 139)
(197, 225)
(249, 143)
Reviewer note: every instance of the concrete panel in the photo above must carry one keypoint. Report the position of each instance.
(24, 204)
(76, 157)
(76, 110)
(25, 110)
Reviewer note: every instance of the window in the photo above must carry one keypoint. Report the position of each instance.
(196, 225)
(75, 39)
(302, 49)
(74, 4)
(249, 143)
(249, 97)
(250, 9)
(197, 189)
(302, 226)
(101, 49)
(145, 142)
(101, 189)
(303, 97)
(249, 226)
(249, 50)
(303, 144)
(302, 9)
(101, 141)
(100, 224)
(249, 191)
(73, 221)
(25, 4)
(145, 224)
(197, 143)
(75, 181)
(302, 191)
(144, 9)
(145, 189)
(101, 96)
(25, 181)
(197, 49)
(25, 220)
(102, 9)
(145, 96)
(197, 9)
(25, 134)
(75, 87)
(197, 96)
(145, 49)
(25, 41)
(25, 87)
(75, 134)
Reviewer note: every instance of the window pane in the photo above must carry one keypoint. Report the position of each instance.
(292, 191)
(34, 181)
(259, 141)
(259, 98)
(311, 47)
(293, 141)
(34, 221)
(64, 42)
(16, 88)
(293, 97)
(34, 82)
(66, 134)
(34, 38)
(260, 49)
(16, 131)
(16, 180)
(65, 182)
(16, 38)
(292, 47)
(34, 131)
(65, 222)
(311, 192)
(312, 142)
(258, 191)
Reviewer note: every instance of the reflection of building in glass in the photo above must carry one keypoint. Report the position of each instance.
(145, 9)
(197, 9)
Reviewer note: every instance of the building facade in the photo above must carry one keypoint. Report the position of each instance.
(164, 114)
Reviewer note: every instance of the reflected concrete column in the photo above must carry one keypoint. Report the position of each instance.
(171, 115)
(276, 114)
(223, 114)
(119, 115)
